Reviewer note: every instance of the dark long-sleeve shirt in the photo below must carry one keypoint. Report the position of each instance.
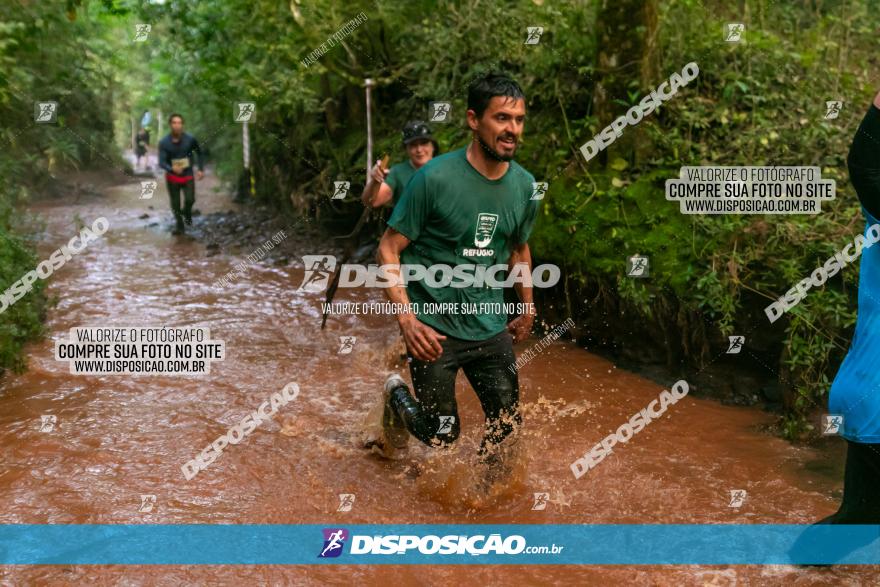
(170, 150)
(864, 162)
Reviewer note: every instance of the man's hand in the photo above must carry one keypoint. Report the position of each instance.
(377, 193)
(421, 340)
(379, 173)
(200, 174)
(520, 328)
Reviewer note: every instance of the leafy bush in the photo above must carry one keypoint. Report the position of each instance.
(46, 53)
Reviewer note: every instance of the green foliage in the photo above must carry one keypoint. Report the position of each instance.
(747, 107)
(47, 53)
(22, 321)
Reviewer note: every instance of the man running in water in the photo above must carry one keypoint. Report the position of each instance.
(175, 157)
(470, 206)
(855, 392)
(386, 185)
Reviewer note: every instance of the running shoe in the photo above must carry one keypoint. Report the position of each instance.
(392, 425)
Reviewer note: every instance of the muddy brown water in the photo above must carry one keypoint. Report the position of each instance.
(118, 437)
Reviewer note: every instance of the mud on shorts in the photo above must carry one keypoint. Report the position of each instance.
(486, 364)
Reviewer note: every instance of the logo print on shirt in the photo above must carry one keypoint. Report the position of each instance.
(486, 224)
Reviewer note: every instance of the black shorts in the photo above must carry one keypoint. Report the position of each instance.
(487, 364)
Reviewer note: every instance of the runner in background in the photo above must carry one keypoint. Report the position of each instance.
(142, 141)
(386, 185)
(175, 157)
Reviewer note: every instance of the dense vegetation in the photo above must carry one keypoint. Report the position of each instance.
(47, 53)
(760, 102)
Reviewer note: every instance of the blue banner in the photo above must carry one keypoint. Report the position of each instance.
(616, 544)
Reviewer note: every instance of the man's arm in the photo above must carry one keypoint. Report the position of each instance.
(421, 340)
(377, 193)
(163, 158)
(195, 149)
(521, 327)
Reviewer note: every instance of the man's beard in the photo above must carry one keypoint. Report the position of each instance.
(492, 152)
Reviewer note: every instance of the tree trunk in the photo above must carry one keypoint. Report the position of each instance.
(627, 61)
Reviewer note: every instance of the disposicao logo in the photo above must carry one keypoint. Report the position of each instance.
(334, 540)
(319, 271)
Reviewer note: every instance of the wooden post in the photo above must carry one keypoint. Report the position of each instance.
(246, 154)
(368, 83)
(245, 146)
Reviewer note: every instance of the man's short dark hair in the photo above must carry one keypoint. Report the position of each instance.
(486, 86)
(173, 116)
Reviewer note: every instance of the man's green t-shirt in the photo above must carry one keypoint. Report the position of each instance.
(452, 214)
(397, 178)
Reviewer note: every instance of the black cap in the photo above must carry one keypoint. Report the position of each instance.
(415, 130)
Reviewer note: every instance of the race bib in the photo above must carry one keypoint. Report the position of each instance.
(182, 163)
